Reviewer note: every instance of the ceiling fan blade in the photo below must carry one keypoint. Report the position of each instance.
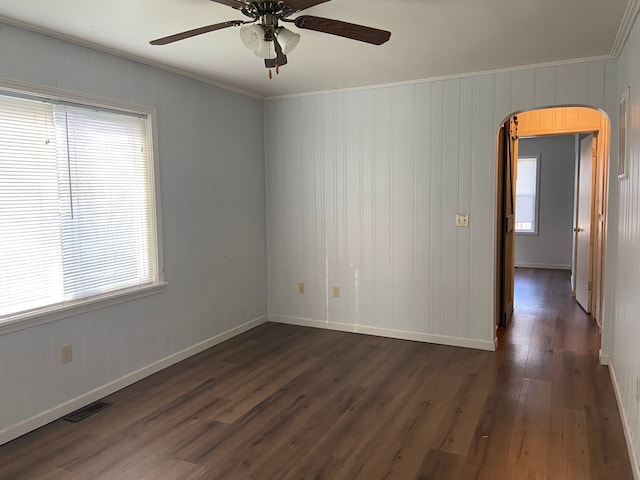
(298, 5)
(343, 29)
(237, 4)
(196, 31)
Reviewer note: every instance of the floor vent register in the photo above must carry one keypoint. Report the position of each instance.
(85, 412)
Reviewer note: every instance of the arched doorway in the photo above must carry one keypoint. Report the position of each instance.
(589, 235)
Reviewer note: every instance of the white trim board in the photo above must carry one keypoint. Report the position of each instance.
(623, 31)
(440, 78)
(118, 53)
(635, 467)
(628, 20)
(41, 419)
(549, 266)
(386, 332)
(58, 312)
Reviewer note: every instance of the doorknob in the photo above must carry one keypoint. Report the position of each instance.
(578, 229)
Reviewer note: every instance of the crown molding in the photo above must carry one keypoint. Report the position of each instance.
(94, 46)
(630, 15)
(456, 76)
(628, 20)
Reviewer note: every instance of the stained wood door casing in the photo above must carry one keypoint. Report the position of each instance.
(507, 153)
(599, 201)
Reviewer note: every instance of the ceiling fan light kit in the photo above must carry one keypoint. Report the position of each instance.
(268, 40)
(259, 41)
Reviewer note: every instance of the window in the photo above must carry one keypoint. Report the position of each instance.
(527, 195)
(77, 213)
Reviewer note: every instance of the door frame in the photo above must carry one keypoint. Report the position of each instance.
(507, 152)
(589, 307)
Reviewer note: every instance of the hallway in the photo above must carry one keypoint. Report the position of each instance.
(546, 315)
(567, 421)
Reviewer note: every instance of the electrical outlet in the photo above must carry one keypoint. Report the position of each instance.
(336, 292)
(67, 354)
(301, 287)
(462, 219)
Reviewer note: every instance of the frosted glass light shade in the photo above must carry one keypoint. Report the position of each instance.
(266, 50)
(253, 38)
(287, 40)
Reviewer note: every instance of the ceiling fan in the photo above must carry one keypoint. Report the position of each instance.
(263, 34)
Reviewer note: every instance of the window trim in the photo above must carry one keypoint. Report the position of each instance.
(53, 313)
(536, 226)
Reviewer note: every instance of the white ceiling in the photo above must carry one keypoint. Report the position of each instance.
(429, 38)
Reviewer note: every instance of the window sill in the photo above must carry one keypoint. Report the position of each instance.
(527, 234)
(58, 312)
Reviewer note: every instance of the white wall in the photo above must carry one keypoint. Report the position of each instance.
(362, 192)
(213, 218)
(622, 313)
(551, 247)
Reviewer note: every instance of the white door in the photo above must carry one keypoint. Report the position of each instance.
(583, 228)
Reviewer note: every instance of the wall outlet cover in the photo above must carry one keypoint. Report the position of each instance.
(67, 353)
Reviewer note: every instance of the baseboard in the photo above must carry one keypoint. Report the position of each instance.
(625, 424)
(604, 358)
(41, 419)
(549, 266)
(386, 332)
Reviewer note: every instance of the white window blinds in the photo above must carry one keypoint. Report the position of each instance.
(76, 204)
(526, 194)
(30, 243)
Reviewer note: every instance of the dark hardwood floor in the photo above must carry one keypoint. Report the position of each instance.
(284, 402)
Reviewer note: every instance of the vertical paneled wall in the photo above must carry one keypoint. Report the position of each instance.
(362, 192)
(625, 307)
(213, 220)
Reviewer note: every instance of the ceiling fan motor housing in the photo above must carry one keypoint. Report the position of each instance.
(257, 10)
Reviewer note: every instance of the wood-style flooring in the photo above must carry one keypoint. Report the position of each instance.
(285, 402)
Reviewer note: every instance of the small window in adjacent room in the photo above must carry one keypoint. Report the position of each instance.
(77, 206)
(527, 195)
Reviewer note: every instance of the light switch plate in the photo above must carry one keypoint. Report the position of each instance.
(462, 219)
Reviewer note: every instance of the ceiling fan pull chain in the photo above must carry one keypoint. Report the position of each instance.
(277, 69)
(270, 74)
